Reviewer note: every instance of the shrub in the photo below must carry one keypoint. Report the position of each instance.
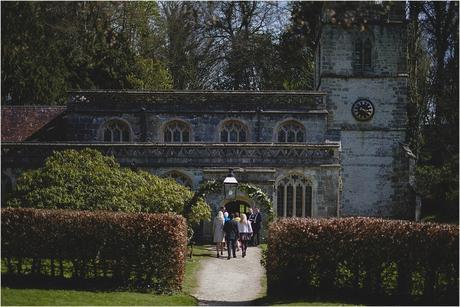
(138, 250)
(372, 257)
(88, 180)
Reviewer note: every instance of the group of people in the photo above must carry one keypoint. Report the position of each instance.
(237, 231)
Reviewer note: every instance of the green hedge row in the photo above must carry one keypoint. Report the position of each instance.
(363, 256)
(140, 250)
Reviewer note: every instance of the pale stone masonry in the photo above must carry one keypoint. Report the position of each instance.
(331, 152)
(374, 170)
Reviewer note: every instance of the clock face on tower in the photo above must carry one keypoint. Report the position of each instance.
(362, 110)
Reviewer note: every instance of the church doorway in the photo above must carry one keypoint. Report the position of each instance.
(237, 206)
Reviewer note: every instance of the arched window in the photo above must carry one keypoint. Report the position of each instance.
(363, 55)
(293, 197)
(179, 178)
(176, 132)
(116, 131)
(291, 132)
(233, 131)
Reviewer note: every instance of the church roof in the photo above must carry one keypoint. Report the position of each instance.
(199, 100)
(21, 122)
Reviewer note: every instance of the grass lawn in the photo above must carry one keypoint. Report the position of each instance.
(48, 297)
(40, 297)
(192, 266)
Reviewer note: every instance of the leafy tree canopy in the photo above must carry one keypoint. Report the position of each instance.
(88, 180)
(51, 47)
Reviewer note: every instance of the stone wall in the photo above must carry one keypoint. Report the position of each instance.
(261, 112)
(388, 52)
(374, 175)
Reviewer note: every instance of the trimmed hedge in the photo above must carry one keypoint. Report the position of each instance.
(138, 250)
(363, 257)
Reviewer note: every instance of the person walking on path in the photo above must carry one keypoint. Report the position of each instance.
(237, 219)
(245, 230)
(251, 218)
(256, 227)
(231, 235)
(219, 232)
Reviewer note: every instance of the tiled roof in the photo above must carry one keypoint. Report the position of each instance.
(20, 122)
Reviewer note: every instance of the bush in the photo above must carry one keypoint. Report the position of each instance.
(137, 250)
(364, 256)
(88, 180)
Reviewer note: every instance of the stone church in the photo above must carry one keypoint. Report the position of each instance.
(330, 152)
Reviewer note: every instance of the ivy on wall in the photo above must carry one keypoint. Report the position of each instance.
(254, 192)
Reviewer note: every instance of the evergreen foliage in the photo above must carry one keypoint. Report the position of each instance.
(51, 47)
(88, 180)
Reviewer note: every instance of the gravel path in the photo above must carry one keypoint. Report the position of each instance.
(230, 282)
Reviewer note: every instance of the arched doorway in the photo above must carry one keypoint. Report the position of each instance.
(239, 206)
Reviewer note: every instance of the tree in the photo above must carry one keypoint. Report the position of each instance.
(88, 180)
(437, 166)
(33, 65)
(51, 47)
(243, 35)
(187, 49)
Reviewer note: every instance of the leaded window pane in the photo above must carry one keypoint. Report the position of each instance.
(125, 135)
(180, 178)
(291, 136)
(185, 136)
(291, 132)
(285, 196)
(233, 136)
(176, 132)
(280, 201)
(242, 136)
(367, 50)
(176, 136)
(116, 135)
(168, 136)
(233, 131)
(224, 136)
(358, 53)
(116, 131)
(282, 136)
(298, 201)
(308, 196)
(300, 137)
(289, 201)
(107, 135)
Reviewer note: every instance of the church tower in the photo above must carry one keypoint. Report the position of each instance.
(363, 71)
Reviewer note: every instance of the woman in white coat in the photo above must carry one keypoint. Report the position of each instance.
(219, 232)
(245, 230)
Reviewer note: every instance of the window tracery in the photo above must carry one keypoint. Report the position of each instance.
(116, 131)
(177, 132)
(179, 178)
(233, 132)
(291, 132)
(363, 55)
(294, 197)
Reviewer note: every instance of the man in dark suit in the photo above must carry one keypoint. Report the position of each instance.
(231, 235)
(251, 219)
(256, 226)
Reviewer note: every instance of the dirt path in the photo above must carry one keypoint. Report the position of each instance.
(230, 282)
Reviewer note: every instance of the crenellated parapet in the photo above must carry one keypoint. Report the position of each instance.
(163, 101)
(32, 155)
